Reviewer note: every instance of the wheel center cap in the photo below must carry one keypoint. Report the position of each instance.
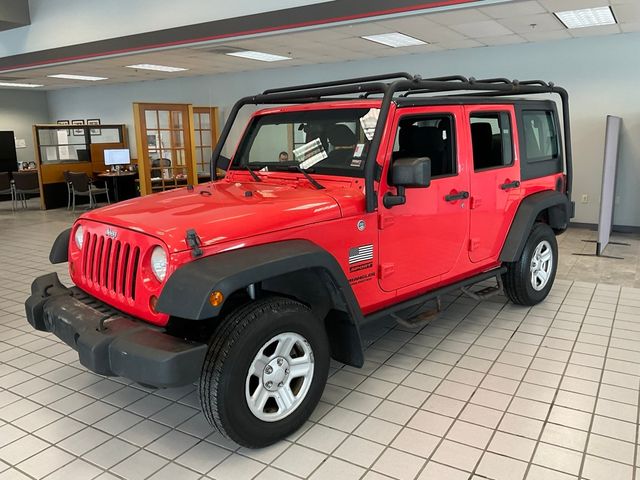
(275, 374)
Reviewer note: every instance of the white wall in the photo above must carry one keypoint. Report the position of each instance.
(19, 110)
(599, 72)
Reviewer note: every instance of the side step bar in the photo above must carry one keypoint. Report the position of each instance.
(486, 292)
(420, 320)
(392, 311)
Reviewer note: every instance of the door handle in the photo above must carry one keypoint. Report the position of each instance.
(452, 197)
(508, 185)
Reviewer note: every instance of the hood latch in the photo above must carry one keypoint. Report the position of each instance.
(194, 243)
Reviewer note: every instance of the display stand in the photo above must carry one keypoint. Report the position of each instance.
(607, 198)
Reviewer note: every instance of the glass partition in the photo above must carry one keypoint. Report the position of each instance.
(73, 144)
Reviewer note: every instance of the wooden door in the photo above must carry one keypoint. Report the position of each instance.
(205, 126)
(166, 150)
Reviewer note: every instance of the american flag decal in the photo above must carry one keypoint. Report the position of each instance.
(360, 254)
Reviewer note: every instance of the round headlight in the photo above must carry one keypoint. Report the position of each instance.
(159, 263)
(79, 237)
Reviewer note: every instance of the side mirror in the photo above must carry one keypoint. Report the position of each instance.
(410, 172)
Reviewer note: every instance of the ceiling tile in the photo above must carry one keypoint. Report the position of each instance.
(438, 34)
(461, 44)
(562, 5)
(456, 17)
(542, 36)
(414, 22)
(542, 23)
(630, 27)
(513, 9)
(503, 40)
(487, 28)
(429, 47)
(360, 29)
(627, 13)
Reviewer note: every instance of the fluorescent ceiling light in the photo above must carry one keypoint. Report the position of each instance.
(263, 57)
(20, 85)
(88, 78)
(394, 39)
(157, 68)
(586, 17)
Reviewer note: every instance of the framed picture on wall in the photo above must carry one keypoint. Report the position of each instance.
(78, 132)
(64, 122)
(94, 121)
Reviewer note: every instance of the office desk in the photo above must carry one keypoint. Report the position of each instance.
(114, 177)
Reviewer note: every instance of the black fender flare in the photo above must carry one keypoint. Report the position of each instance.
(186, 292)
(560, 211)
(60, 248)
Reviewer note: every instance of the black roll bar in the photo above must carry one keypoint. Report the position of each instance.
(409, 85)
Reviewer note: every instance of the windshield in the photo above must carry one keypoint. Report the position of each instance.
(332, 141)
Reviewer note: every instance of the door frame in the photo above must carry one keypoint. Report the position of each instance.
(142, 147)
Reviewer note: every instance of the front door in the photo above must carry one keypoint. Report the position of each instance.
(423, 239)
(495, 179)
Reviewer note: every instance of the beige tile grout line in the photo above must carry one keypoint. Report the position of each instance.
(428, 458)
(597, 396)
(557, 390)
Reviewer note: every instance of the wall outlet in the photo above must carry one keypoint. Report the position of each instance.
(585, 198)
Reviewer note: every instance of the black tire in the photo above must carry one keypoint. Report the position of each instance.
(231, 353)
(518, 284)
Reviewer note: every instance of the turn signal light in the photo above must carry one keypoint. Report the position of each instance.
(216, 298)
(153, 301)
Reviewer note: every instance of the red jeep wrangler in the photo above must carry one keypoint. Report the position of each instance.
(362, 199)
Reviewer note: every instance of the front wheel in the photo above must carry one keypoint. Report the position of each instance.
(529, 279)
(264, 372)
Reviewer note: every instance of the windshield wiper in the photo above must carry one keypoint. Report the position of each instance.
(253, 174)
(298, 168)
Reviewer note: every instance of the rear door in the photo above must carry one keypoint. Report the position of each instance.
(494, 178)
(422, 239)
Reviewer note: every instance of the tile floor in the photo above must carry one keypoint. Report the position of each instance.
(488, 391)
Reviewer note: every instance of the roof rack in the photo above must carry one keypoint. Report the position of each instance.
(348, 81)
(401, 84)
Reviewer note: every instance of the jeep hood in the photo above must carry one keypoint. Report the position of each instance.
(220, 211)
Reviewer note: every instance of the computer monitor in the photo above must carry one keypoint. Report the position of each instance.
(117, 156)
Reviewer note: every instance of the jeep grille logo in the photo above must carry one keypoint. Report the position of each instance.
(111, 233)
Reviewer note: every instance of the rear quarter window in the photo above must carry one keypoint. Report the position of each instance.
(540, 136)
(539, 141)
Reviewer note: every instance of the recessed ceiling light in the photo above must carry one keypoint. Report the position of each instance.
(157, 68)
(20, 85)
(88, 78)
(586, 17)
(394, 39)
(263, 57)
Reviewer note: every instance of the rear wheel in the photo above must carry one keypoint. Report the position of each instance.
(264, 372)
(529, 279)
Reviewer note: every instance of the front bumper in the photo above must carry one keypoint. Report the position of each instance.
(109, 342)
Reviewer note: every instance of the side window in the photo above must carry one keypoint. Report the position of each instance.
(540, 138)
(428, 136)
(491, 139)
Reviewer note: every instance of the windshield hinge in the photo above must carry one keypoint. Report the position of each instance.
(194, 243)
